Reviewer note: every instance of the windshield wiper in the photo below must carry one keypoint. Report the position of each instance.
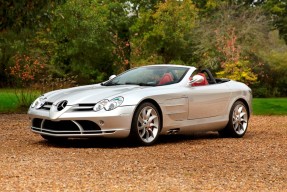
(146, 84)
(110, 84)
(139, 84)
(130, 83)
(127, 83)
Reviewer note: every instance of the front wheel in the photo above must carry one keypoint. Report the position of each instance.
(238, 121)
(146, 124)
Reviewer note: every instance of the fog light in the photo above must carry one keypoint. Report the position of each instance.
(102, 122)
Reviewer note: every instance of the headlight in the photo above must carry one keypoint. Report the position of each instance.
(109, 105)
(100, 105)
(38, 103)
(114, 103)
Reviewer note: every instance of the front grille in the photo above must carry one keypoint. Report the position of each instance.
(65, 126)
(60, 125)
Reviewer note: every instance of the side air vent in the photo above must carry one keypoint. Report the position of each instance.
(173, 131)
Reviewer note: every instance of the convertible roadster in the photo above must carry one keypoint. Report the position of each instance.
(143, 103)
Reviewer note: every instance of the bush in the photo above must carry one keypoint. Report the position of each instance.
(260, 92)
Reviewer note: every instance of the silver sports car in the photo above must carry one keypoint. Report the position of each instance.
(143, 103)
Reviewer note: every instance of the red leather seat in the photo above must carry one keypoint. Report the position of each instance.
(166, 78)
(204, 82)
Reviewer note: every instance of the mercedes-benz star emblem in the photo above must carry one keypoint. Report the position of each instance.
(61, 105)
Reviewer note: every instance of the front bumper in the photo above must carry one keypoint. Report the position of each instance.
(82, 124)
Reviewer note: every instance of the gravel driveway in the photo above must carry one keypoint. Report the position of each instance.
(257, 162)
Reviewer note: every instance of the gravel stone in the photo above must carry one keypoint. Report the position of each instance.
(198, 162)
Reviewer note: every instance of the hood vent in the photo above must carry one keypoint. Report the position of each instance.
(84, 107)
(47, 105)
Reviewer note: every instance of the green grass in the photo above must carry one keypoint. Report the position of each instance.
(10, 103)
(270, 106)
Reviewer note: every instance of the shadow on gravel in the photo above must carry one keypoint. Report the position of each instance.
(125, 143)
(164, 139)
(88, 143)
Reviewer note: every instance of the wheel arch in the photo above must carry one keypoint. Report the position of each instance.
(246, 104)
(155, 104)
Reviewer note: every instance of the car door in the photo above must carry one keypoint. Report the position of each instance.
(208, 101)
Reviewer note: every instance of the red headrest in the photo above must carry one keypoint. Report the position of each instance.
(166, 78)
(204, 82)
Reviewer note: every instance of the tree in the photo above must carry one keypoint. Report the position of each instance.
(79, 41)
(274, 66)
(18, 22)
(278, 11)
(234, 37)
(163, 34)
(19, 15)
(119, 23)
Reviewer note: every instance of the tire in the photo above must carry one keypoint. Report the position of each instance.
(54, 139)
(238, 121)
(146, 124)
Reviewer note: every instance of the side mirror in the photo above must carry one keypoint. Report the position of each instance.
(196, 79)
(111, 77)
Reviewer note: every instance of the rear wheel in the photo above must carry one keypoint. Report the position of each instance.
(238, 121)
(146, 124)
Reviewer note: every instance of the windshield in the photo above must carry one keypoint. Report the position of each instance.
(150, 76)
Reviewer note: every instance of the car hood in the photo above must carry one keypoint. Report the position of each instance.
(89, 94)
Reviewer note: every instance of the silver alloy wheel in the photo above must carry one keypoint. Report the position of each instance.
(148, 124)
(240, 119)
